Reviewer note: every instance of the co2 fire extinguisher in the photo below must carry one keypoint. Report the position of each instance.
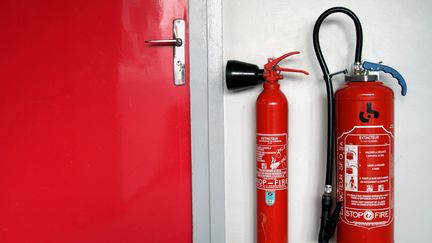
(271, 144)
(361, 135)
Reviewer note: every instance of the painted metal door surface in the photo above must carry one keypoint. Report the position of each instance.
(94, 135)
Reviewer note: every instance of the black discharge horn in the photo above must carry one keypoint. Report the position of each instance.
(242, 75)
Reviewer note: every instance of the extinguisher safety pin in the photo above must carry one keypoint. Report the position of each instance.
(345, 71)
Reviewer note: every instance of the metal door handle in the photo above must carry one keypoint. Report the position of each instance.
(179, 62)
(170, 42)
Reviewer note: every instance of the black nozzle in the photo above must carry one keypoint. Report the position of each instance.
(242, 75)
(328, 219)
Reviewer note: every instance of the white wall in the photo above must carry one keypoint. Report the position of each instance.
(396, 32)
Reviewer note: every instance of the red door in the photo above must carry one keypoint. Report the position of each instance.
(94, 135)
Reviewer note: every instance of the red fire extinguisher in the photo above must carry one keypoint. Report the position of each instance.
(361, 128)
(271, 144)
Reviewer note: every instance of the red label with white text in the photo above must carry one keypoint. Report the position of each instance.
(365, 176)
(271, 161)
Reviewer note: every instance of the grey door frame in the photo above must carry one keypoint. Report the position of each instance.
(207, 120)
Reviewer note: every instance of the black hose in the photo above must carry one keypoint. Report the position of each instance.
(328, 219)
(327, 77)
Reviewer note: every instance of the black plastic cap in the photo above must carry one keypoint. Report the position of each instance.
(242, 75)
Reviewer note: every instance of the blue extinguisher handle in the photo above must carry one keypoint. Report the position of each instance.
(395, 74)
